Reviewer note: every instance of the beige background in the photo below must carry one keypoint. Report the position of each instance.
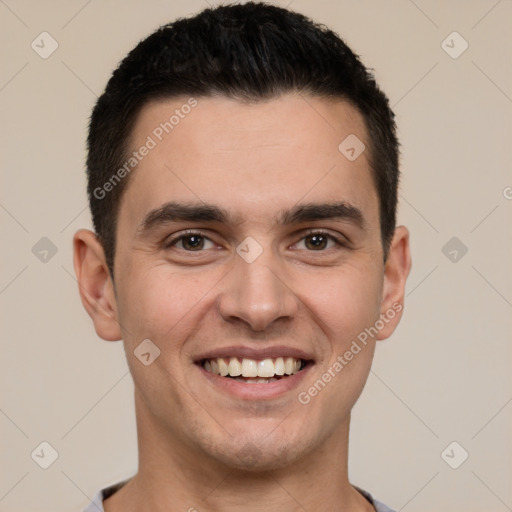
(444, 376)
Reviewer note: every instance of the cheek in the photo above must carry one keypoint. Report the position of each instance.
(161, 306)
(158, 303)
(345, 300)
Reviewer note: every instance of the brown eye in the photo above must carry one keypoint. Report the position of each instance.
(316, 241)
(192, 242)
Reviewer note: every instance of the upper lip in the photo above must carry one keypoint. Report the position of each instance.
(257, 354)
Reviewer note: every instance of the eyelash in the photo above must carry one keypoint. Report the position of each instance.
(173, 241)
(337, 240)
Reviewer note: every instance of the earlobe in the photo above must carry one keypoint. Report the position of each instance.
(95, 284)
(396, 270)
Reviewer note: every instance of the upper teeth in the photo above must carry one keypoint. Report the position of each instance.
(235, 367)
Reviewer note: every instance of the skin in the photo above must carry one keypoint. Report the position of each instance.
(200, 446)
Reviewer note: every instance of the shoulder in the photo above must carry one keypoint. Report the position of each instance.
(96, 504)
(378, 505)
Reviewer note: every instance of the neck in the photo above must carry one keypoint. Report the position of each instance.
(173, 476)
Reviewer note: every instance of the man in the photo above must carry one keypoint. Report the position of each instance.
(243, 171)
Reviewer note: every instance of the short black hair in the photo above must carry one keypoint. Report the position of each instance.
(250, 52)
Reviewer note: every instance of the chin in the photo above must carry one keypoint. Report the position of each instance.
(259, 455)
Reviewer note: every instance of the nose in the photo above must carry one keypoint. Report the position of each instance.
(256, 295)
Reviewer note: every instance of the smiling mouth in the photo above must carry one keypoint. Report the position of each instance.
(252, 371)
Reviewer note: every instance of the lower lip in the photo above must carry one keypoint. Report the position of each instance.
(258, 391)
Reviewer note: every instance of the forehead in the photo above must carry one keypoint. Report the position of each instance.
(252, 159)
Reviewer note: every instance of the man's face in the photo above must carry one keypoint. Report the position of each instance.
(246, 233)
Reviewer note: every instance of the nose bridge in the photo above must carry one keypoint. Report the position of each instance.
(256, 293)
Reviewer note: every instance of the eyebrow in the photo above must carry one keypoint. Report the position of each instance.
(201, 212)
(176, 212)
(340, 210)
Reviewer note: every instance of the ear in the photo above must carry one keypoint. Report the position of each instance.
(95, 284)
(396, 270)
